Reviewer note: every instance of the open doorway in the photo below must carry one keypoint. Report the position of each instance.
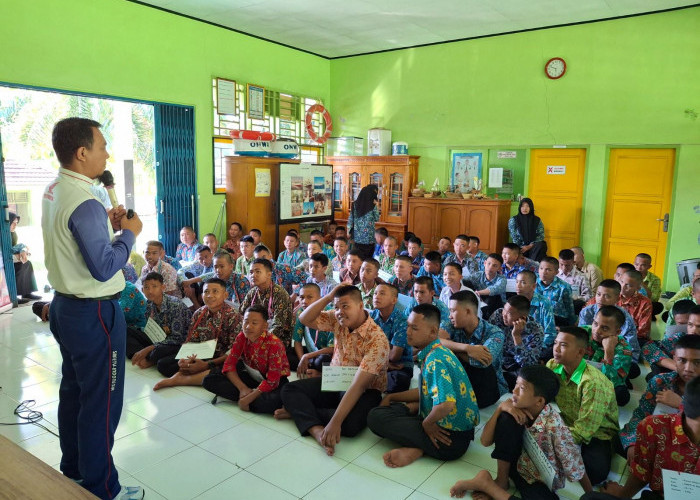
(27, 117)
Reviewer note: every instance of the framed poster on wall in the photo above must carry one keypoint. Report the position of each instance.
(306, 192)
(256, 102)
(466, 171)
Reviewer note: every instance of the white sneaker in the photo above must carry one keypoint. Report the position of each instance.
(130, 493)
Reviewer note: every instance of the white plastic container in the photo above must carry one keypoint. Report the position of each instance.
(399, 149)
(379, 142)
(247, 147)
(284, 148)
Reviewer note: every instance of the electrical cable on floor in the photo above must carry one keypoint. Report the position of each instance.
(25, 412)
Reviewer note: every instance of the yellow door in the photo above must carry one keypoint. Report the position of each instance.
(556, 189)
(640, 182)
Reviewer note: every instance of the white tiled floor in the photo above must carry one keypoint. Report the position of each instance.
(178, 446)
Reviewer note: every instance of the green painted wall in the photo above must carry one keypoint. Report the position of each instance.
(628, 82)
(123, 49)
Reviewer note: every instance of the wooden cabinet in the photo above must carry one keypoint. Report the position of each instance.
(432, 218)
(394, 175)
(244, 207)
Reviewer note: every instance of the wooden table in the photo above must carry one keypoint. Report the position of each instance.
(23, 476)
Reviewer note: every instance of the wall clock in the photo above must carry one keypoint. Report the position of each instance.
(555, 68)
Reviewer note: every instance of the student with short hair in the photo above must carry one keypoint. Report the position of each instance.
(415, 253)
(445, 248)
(341, 232)
(388, 256)
(318, 264)
(452, 277)
(317, 235)
(318, 345)
(637, 305)
(291, 255)
(475, 253)
(479, 346)
(489, 284)
(369, 281)
(353, 263)
(541, 310)
(313, 247)
(189, 277)
(580, 290)
(609, 348)
(528, 411)
(340, 246)
(403, 276)
(462, 257)
(284, 275)
(358, 341)
(155, 264)
(523, 337)
(255, 370)
(665, 442)
(557, 291)
(390, 317)
(380, 234)
(187, 248)
(694, 298)
(659, 353)
(233, 241)
(432, 267)
(586, 401)
(247, 246)
(439, 416)
(685, 292)
(237, 285)
(329, 237)
(678, 318)
(593, 273)
(510, 255)
(210, 240)
(651, 282)
(256, 234)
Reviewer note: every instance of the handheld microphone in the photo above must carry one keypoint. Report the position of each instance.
(107, 180)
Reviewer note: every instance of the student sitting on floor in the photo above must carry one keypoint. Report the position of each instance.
(523, 337)
(686, 291)
(403, 277)
(284, 275)
(317, 235)
(390, 317)
(586, 401)
(256, 369)
(415, 253)
(424, 293)
(351, 274)
(528, 411)
(313, 247)
(679, 316)
(380, 235)
(462, 257)
(510, 267)
(329, 237)
(292, 255)
(608, 294)
(155, 264)
(243, 262)
(340, 246)
(557, 291)
(256, 234)
(620, 270)
(664, 390)
(438, 417)
(189, 277)
(388, 256)
(580, 291)
(593, 273)
(636, 304)
(452, 277)
(694, 298)
(358, 341)
(318, 264)
(237, 285)
(541, 310)
(489, 284)
(479, 346)
(664, 443)
(233, 243)
(609, 351)
(475, 253)
(215, 320)
(318, 346)
(170, 314)
(445, 248)
(187, 248)
(659, 353)
(651, 282)
(369, 281)
(432, 267)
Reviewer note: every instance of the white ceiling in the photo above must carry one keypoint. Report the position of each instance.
(336, 28)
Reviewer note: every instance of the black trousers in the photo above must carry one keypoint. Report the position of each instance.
(622, 395)
(219, 384)
(537, 252)
(309, 406)
(24, 278)
(635, 371)
(493, 303)
(646, 495)
(484, 383)
(399, 380)
(137, 340)
(578, 305)
(396, 423)
(597, 456)
(508, 447)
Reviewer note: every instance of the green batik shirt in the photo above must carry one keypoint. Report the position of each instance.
(587, 403)
(616, 371)
(442, 379)
(654, 283)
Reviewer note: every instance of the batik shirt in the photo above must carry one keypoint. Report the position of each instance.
(187, 252)
(130, 273)
(557, 444)
(647, 404)
(447, 292)
(469, 265)
(279, 309)
(287, 276)
(338, 264)
(586, 402)
(313, 339)
(222, 325)
(416, 264)
(653, 282)
(405, 287)
(480, 258)
(133, 303)
(517, 237)
(237, 285)
(542, 311)
(438, 283)
(579, 284)
(496, 286)
(442, 379)
(367, 296)
(345, 274)
(386, 263)
(291, 258)
(243, 265)
(329, 252)
(445, 256)
(640, 308)
(395, 330)
(559, 293)
(512, 273)
(366, 346)
(629, 329)
(169, 277)
(266, 355)
(662, 444)
(525, 354)
(362, 228)
(173, 317)
(528, 264)
(233, 246)
(326, 285)
(662, 349)
(172, 261)
(616, 371)
(491, 337)
(593, 274)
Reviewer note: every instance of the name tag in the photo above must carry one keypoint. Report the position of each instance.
(203, 350)
(384, 275)
(544, 467)
(337, 378)
(575, 290)
(680, 485)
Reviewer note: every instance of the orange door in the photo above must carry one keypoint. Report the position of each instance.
(556, 189)
(640, 183)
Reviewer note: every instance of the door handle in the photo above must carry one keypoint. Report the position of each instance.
(665, 221)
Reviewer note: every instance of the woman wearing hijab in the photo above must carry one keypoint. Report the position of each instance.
(363, 215)
(527, 231)
(24, 272)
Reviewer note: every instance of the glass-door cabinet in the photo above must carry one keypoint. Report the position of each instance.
(340, 202)
(377, 178)
(396, 194)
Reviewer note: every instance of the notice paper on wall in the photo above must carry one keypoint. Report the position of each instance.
(203, 350)
(495, 177)
(337, 378)
(263, 182)
(538, 457)
(226, 97)
(680, 485)
(507, 154)
(154, 332)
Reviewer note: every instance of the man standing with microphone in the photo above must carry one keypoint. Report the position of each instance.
(84, 259)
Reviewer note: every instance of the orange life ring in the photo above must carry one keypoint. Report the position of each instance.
(318, 108)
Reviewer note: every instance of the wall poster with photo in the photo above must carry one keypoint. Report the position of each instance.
(466, 171)
(305, 192)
